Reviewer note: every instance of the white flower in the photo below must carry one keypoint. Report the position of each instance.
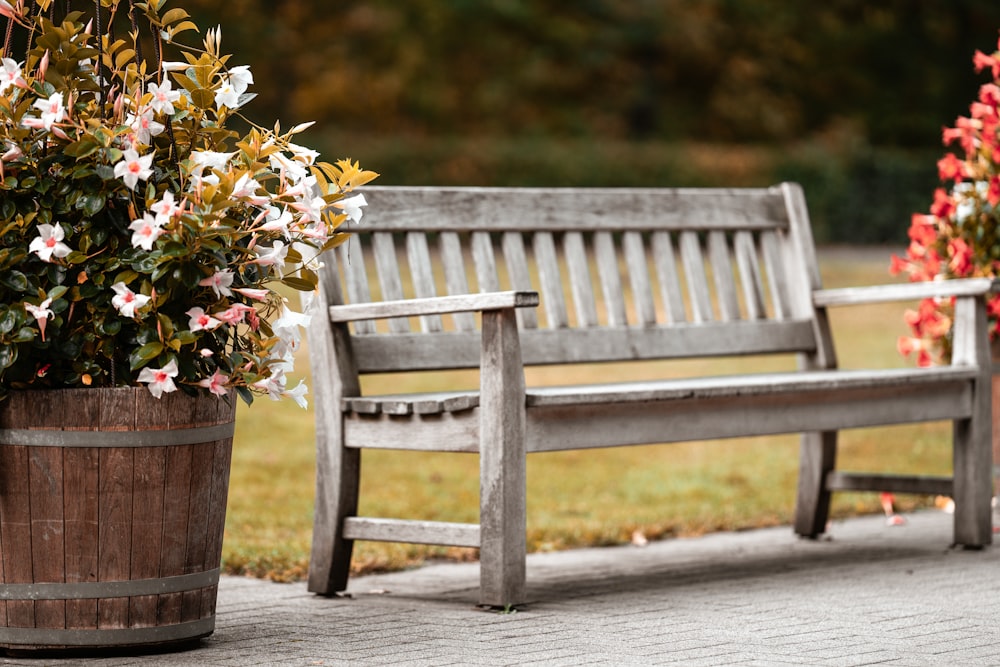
(352, 206)
(307, 155)
(49, 243)
(10, 75)
(127, 301)
(215, 384)
(298, 394)
(219, 282)
(246, 189)
(145, 126)
(240, 78)
(132, 168)
(52, 112)
(165, 208)
(41, 313)
(160, 380)
(273, 256)
(211, 159)
(145, 231)
(227, 96)
(163, 96)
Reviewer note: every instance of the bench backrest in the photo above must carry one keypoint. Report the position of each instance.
(622, 274)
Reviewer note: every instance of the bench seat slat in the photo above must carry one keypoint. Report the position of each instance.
(744, 385)
(420, 403)
(851, 481)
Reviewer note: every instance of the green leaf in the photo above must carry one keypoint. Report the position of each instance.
(145, 354)
(298, 283)
(91, 204)
(16, 280)
(8, 355)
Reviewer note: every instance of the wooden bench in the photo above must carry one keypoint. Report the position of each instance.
(623, 275)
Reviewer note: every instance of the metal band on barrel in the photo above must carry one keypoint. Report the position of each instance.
(86, 590)
(34, 637)
(166, 438)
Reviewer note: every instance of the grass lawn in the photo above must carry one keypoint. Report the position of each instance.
(575, 498)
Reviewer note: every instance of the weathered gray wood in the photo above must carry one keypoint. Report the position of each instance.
(611, 280)
(551, 280)
(777, 279)
(485, 262)
(857, 296)
(749, 267)
(564, 209)
(581, 287)
(338, 468)
(666, 274)
(421, 270)
(722, 272)
(919, 484)
(389, 279)
(355, 278)
(455, 278)
(412, 532)
(547, 346)
(642, 293)
(520, 276)
(694, 271)
(502, 463)
(435, 305)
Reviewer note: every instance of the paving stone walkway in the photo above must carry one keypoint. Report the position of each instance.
(871, 595)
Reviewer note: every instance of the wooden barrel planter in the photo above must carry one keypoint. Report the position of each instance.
(112, 508)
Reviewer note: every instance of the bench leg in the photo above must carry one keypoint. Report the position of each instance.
(502, 462)
(817, 457)
(973, 483)
(338, 474)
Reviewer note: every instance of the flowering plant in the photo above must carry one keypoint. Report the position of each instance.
(141, 240)
(961, 236)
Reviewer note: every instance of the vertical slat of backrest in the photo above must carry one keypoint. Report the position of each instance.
(722, 273)
(352, 259)
(418, 256)
(611, 281)
(578, 266)
(485, 262)
(694, 270)
(455, 279)
(638, 271)
(750, 278)
(776, 276)
(666, 274)
(388, 276)
(550, 280)
(520, 277)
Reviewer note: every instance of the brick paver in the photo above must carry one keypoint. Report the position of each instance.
(873, 595)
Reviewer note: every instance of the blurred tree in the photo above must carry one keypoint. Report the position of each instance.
(891, 72)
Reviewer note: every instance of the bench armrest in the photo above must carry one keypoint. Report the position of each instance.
(855, 296)
(437, 305)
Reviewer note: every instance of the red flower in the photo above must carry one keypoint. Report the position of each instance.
(943, 205)
(983, 61)
(993, 194)
(951, 168)
(961, 257)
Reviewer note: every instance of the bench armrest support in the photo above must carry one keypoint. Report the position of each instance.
(438, 305)
(855, 296)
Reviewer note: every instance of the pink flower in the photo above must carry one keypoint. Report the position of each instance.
(215, 384)
(134, 168)
(145, 231)
(983, 61)
(200, 320)
(160, 380)
(255, 294)
(127, 301)
(961, 258)
(234, 314)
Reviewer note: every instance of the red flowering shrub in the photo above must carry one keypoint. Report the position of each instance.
(960, 236)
